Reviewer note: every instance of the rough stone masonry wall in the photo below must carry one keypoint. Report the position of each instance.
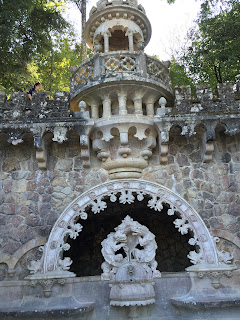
(31, 200)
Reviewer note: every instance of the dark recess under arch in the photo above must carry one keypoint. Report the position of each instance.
(85, 250)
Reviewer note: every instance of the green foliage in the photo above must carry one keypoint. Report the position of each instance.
(26, 28)
(179, 75)
(214, 54)
(53, 68)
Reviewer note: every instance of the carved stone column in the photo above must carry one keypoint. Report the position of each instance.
(122, 99)
(106, 36)
(138, 105)
(150, 108)
(94, 110)
(130, 40)
(106, 107)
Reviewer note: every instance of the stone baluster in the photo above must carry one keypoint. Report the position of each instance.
(94, 110)
(138, 105)
(106, 107)
(150, 108)
(122, 99)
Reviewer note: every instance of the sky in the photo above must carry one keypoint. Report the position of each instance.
(169, 23)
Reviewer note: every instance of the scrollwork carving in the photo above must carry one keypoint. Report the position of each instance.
(182, 226)
(98, 206)
(140, 195)
(155, 204)
(62, 224)
(195, 258)
(171, 211)
(47, 285)
(37, 266)
(126, 197)
(142, 186)
(223, 256)
(193, 241)
(112, 197)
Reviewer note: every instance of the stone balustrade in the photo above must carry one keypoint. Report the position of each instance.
(121, 66)
(114, 116)
(121, 103)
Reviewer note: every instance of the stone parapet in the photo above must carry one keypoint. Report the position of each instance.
(224, 99)
(20, 108)
(121, 116)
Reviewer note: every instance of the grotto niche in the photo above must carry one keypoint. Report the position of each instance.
(85, 250)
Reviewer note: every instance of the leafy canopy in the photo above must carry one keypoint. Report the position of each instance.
(26, 29)
(53, 68)
(213, 54)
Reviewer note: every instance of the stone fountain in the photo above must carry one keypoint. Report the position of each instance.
(130, 265)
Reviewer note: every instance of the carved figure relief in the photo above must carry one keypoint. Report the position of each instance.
(131, 271)
(138, 244)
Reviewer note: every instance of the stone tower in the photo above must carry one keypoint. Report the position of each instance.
(123, 177)
(121, 87)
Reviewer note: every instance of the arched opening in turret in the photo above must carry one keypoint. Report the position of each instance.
(118, 41)
(85, 250)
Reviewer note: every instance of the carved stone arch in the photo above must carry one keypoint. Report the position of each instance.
(118, 27)
(176, 127)
(200, 128)
(126, 191)
(221, 127)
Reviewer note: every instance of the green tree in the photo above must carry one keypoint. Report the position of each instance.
(53, 68)
(26, 28)
(213, 55)
(179, 75)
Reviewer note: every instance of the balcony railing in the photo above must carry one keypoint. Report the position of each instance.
(102, 67)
